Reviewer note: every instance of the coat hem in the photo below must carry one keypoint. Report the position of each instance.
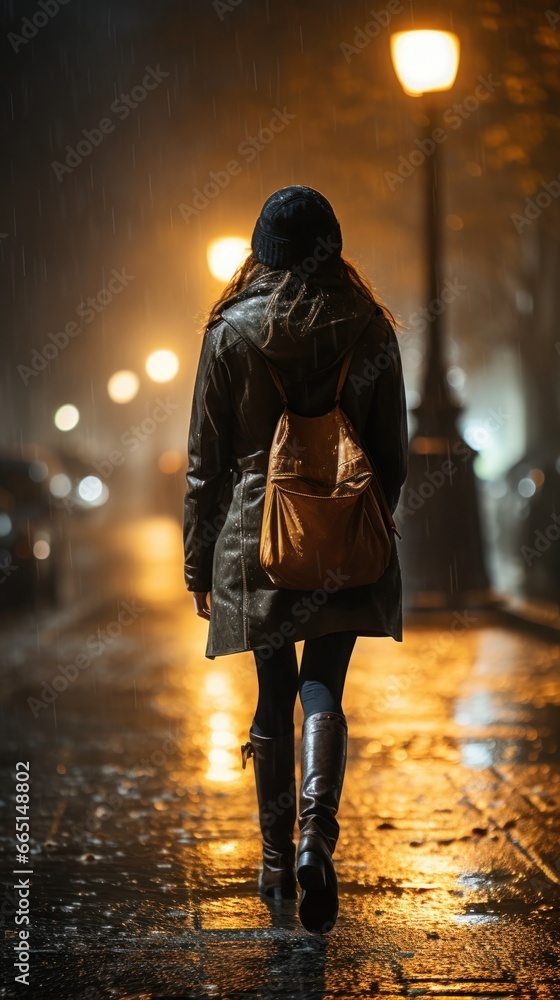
(370, 634)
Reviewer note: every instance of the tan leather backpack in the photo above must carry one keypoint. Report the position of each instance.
(325, 513)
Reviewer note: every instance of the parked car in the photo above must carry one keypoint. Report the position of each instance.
(31, 535)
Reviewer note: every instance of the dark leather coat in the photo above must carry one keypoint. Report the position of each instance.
(234, 413)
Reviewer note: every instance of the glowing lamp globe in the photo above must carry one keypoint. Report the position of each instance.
(425, 61)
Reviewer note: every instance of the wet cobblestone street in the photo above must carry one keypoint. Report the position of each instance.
(144, 835)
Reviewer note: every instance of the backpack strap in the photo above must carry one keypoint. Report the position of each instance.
(277, 382)
(381, 494)
(344, 372)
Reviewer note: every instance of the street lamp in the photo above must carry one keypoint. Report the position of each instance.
(442, 549)
(425, 61)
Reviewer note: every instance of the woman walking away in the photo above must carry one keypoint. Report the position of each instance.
(299, 365)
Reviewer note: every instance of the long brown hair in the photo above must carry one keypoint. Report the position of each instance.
(286, 290)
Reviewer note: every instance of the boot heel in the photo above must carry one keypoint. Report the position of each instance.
(311, 871)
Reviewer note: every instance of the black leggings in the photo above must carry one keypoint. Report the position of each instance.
(320, 682)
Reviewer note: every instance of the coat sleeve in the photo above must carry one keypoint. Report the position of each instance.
(209, 465)
(386, 426)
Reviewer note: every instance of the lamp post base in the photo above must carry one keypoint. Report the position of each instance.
(442, 551)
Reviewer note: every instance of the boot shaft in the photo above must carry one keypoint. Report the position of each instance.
(323, 766)
(274, 765)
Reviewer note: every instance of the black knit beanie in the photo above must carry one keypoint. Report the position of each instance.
(295, 223)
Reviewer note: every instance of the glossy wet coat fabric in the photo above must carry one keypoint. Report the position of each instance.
(235, 410)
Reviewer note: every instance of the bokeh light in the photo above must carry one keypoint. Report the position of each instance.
(526, 487)
(537, 475)
(162, 365)
(170, 462)
(60, 485)
(5, 524)
(41, 549)
(66, 417)
(225, 255)
(456, 377)
(123, 386)
(90, 489)
(38, 471)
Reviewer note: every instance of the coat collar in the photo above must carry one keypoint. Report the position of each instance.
(342, 318)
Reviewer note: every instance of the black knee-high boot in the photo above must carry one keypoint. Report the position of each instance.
(323, 764)
(274, 763)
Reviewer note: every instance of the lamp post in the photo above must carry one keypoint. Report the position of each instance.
(442, 548)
